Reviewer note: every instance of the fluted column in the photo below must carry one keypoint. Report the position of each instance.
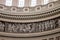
(39, 2)
(27, 3)
(15, 3)
(2, 1)
(42, 2)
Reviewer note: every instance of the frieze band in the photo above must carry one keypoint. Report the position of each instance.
(30, 27)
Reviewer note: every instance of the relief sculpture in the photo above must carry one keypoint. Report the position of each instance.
(1, 27)
(59, 23)
(29, 27)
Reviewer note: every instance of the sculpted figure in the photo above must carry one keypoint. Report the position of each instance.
(40, 27)
(43, 27)
(58, 22)
(13, 28)
(22, 28)
(34, 27)
(26, 28)
(10, 27)
(52, 24)
(29, 27)
(46, 26)
(1, 26)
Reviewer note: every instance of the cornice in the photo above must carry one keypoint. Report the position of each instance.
(35, 16)
(31, 18)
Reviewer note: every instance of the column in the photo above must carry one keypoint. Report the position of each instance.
(52, 0)
(2, 1)
(39, 2)
(27, 3)
(15, 2)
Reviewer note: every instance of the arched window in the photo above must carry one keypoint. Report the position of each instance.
(33, 2)
(46, 1)
(8, 2)
(21, 3)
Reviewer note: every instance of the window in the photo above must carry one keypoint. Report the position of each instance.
(21, 3)
(9, 2)
(46, 1)
(33, 2)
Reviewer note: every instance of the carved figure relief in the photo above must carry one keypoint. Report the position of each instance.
(29, 27)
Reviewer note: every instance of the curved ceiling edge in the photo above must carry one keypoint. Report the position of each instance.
(29, 34)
